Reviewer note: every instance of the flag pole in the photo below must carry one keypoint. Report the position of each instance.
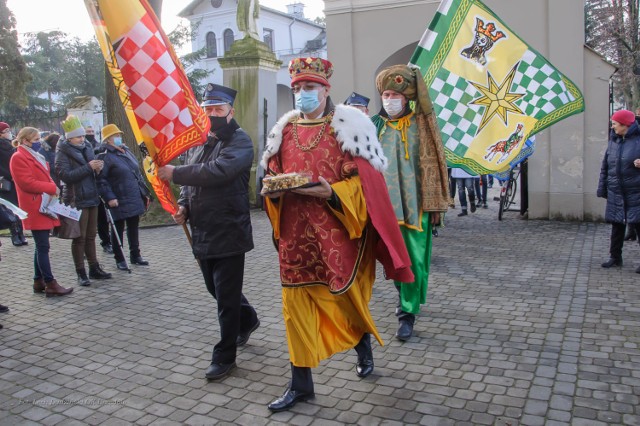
(173, 201)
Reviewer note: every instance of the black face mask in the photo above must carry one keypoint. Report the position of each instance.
(218, 123)
(90, 138)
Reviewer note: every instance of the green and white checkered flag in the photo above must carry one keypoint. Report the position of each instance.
(490, 90)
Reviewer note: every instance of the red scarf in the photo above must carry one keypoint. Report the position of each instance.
(390, 248)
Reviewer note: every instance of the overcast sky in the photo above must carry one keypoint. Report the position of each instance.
(71, 16)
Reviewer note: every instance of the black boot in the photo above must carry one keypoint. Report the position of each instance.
(23, 239)
(614, 261)
(631, 234)
(364, 366)
(138, 260)
(15, 234)
(405, 329)
(83, 280)
(96, 272)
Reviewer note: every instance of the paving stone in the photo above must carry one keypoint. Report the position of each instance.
(553, 344)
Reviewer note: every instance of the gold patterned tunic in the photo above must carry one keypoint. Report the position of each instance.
(327, 263)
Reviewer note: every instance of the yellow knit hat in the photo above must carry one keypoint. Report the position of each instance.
(109, 130)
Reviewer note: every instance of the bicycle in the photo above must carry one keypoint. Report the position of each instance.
(508, 191)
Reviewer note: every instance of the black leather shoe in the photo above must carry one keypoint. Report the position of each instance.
(405, 330)
(364, 366)
(96, 273)
(473, 207)
(122, 266)
(462, 213)
(244, 337)
(638, 270)
(139, 261)
(15, 240)
(83, 280)
(218, 371)
(288, 400)
(4, 308)
(612, 262)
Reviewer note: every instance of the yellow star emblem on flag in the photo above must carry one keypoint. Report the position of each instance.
(497, 99)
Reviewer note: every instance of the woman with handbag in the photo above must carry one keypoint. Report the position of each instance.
(30, 173)
(124, 192)
(7, 189)
(76, 168)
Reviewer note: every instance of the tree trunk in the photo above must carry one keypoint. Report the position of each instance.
(117, 115)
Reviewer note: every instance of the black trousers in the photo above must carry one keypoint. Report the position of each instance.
(301, 379)
(223, 278)
(103, 226)
(617, 237)
(132, 237)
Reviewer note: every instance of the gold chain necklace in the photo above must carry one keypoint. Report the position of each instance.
(315, 140)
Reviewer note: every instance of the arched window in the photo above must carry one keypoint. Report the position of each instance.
(212, 49)
(268, 37)
(228, 39)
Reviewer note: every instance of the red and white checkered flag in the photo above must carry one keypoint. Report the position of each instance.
(160, 104)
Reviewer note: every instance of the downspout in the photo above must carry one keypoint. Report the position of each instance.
(291, 34)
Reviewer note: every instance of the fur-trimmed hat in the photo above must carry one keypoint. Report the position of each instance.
(310, 69)
(407, 80)
(72, 127)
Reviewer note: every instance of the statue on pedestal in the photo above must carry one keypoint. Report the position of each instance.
(247, 17)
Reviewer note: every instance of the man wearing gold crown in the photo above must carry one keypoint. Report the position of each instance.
(328, 235)
(416, 177)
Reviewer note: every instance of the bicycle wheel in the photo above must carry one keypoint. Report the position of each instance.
(501, 208)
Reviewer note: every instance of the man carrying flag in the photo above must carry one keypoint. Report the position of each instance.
(214, 198)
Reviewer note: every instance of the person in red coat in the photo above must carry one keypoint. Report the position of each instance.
(31, 176)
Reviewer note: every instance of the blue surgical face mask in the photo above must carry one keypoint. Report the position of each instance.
(117, 141)
(36, 146)
(307, 101)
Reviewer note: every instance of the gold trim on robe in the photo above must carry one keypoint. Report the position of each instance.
(327, 262)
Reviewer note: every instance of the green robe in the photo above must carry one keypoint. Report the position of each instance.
(403, 185)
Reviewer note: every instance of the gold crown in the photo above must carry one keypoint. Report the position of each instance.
(488, 30)
(313, 69)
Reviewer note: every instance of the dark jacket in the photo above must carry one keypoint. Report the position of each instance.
(620, 179)
(121, 180)
(6, 151)
(49, 153)
(215, 191)
(79, 188)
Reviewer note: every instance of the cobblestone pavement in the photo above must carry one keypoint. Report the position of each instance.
(522, 327)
